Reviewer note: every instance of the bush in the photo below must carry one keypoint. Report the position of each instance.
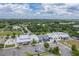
(1, 45)
(73, 48)
(46, 45)
(34, 42)
(75, 52)
(29, 54)
(10, 45)
(56, 50)
(50, 50)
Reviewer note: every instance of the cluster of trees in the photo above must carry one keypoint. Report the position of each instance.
(42, 26)
(6, 27)
(2, 25)
(52, 26)
(13, 35)
(46, 45)
(33, 42)
(54, 50)
(75, 51)
(25, 31)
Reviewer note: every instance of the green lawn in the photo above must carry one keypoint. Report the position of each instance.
(4, 33)
(29, 53)
(13, 45)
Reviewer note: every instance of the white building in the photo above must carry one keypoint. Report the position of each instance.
(58, 35)
(43, 38)
(21, 39)
(26, 38)
(16, 27)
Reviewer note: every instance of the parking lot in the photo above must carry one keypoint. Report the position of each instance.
(65, 51)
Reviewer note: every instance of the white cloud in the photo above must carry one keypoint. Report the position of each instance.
(58, 9)
(20, 9)
(46, 9)
(16, 8)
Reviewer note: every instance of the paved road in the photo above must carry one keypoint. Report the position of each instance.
(26, 29)
(65, 51)
(16, 52)
(21, 51)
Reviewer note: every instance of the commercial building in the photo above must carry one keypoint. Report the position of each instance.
(59, 36)
(24, 39)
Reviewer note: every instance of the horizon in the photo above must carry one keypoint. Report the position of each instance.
(39, 19)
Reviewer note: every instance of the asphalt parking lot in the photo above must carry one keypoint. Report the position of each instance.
(19, 52)
(65, 51)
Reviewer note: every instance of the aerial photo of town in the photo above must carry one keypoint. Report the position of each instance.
(39, 29)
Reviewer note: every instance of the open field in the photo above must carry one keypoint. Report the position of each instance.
(71, 42)
(5, 33)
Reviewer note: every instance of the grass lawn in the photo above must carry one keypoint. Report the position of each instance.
(13, 45)
(71, 42)
(4, 33)
(29, 53)
(44, 54)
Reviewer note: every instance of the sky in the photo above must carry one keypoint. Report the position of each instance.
(39, 10)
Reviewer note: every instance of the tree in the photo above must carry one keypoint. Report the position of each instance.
(50, 50)
(73, 48)
(34, 42)
(7, 36)
(14, 35)
(75, 52)
(46, 45)
(54, 50)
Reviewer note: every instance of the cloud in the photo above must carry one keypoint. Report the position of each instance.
(60, 9)
(15, 8)
(34, 10)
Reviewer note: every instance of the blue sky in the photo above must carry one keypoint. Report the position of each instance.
(39, 10)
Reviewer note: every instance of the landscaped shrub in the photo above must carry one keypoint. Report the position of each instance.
(75, 51)
(1, 45)
(34, 42)
(46, 44)
(10, 45)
